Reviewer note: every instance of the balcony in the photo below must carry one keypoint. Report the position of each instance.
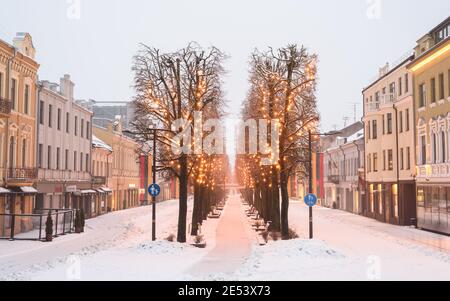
(21, 174)
(62, 175)
(97, 180)
(373, 106)
(388, 99)
(335, 179)
(5, 107)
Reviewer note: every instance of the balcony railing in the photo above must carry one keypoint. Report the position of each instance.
(5, 106)
(389, 99)
(372, 107)
(21, 174)
(66, 175)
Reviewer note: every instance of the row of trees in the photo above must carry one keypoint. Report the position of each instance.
(173, 86)
(282, 89)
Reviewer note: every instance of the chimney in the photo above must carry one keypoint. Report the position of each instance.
(66, 86)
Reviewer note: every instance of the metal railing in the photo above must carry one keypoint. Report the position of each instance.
(21, 173)
(5, 106)
(32, 226)
(335, 179)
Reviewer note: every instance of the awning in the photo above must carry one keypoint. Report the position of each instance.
(106, 189)
(4, 190)
(100, 191)
(88, 191)
(28, 189)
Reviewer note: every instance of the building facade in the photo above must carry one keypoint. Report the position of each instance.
(101, 177)
(18, 76)
(389, 146)
(63, 149)
(125, 179)
(343, 162)
(431, 69)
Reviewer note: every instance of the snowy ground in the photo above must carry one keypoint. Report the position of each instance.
(117, 246)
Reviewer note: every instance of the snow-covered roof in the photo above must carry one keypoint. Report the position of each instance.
(96, 142)
(356, 136)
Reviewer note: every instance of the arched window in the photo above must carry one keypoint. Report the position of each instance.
(24, 153)
(11, 151)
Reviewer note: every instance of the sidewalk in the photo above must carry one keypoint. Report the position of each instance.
(233, 244)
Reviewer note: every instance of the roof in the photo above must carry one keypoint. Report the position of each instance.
(97, 143)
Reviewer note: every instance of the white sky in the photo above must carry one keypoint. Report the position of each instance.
(97, 48)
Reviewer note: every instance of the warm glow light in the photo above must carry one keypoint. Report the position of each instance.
(430, 58)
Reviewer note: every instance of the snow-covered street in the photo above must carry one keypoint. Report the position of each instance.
(118, 246)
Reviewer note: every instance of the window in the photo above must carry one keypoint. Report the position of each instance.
(369, 163)
(390, 160)
(26, 100)
(76, 126)
(384, 160)
(391, 91)
(389, 123)
(395, 199)
(374, 129)
(13, 93)
(67, 122)
(444, 148)
(40, 150)
(74, 161)
(41, 112)
(401, 159)
(66, 162)
(377, 97)
(433, 89)
(1, 85)
(400, 121)
(400, 86)
(406, 83)
(82, 128)
(87, 162)
(88, 124)
(81, 161)
(407, 119)
(50, 112)
(423, 150)
(49, 157)
(58, 158)
(375, 162)
(368, 130)
(408, 158)
(441, 86)
(422, 95)
(383, 124)
(24, 153)
(433, 148)
(58, 120)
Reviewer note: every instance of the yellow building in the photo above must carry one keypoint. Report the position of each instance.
(18, 75)
(431, 71)
(124, 180)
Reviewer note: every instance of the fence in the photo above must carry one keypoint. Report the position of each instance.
(32, 226)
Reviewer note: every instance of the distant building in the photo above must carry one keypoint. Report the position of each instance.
(431, 69)
(102, 180)
(343, 169)
(106, 112)
(125, 178)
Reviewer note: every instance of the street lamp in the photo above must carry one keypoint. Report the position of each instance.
(310, 134)
(153, 131)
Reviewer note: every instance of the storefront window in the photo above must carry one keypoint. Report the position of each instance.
(380, 199)
(420, 197)
(371, 205)
(395, 199)
(435, 206)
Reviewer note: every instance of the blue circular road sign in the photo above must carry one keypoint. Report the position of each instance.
(154, 190)
(310, 200)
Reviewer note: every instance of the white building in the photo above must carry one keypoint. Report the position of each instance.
(343, 171)
(64, 148)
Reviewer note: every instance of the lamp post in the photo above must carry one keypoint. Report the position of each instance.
(310, 134)
(152, 131)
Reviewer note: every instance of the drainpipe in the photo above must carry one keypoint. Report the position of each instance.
(345, 170)
(7, 96)
(397, 164)
(357, 173)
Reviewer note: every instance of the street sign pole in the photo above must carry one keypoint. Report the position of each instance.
(310, 185)
(154, 181)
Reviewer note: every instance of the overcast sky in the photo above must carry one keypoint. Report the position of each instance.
(352, 38)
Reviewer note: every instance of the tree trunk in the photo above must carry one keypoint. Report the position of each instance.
(197, 210)
(182, 213)
(275, 201)
(284, 205)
